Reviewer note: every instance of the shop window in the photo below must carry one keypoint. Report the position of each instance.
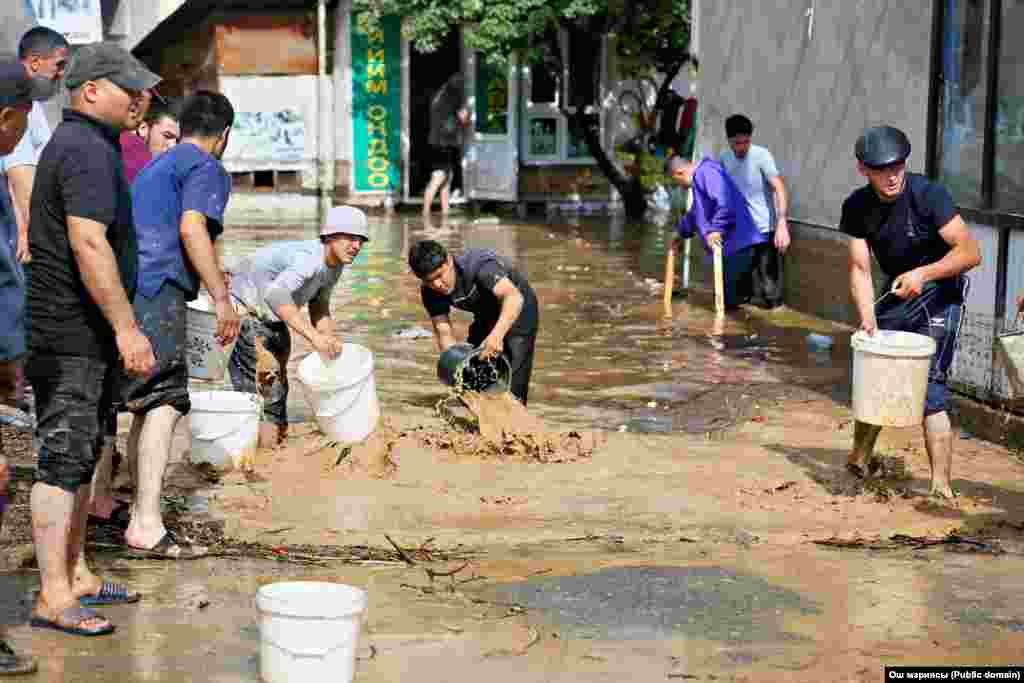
(964, 94)
(491, 98)
(548, 137)
(543, 86)
(543, 137)
(1009, 123)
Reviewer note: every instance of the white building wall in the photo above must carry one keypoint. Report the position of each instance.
(268, 95)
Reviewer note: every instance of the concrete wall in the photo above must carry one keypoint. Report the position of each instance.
(811, 84)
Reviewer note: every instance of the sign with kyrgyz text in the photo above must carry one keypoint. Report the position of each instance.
(79, 21)
(376, 103)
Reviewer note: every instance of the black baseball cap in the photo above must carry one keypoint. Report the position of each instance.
(16, 87)
(882, 146)
(105, 60)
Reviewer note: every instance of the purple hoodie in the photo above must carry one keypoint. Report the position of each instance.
(719, 206)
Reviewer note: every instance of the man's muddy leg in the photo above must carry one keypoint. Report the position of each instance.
(864, 438)
(938, 441)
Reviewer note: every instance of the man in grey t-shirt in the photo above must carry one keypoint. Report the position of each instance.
(273, 285)
(753, 170)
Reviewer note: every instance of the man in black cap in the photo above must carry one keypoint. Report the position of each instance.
(81, 324)
(17, 94)
(924, 248)
(504, 307)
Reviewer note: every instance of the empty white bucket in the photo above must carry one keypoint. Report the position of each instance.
(309, 631)
(225, 428)
(207, 359)
(890, 377)
(342, 393)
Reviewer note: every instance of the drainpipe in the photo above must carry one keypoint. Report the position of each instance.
(322, 179)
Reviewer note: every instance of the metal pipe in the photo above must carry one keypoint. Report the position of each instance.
(321, 100)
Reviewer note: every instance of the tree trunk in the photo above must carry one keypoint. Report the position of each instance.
(632, 191)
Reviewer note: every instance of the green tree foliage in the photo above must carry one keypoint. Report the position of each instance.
(651, 36)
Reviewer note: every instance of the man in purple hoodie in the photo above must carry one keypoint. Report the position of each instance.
(720, 216)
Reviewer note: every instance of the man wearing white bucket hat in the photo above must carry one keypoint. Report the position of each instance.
(924, 248)
(179, 201)
(273, 285)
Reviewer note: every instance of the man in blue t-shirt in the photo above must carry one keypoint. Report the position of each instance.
(753, 169)
(924, 248)
(179, 201)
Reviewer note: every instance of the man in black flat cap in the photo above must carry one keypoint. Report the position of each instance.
(17, 95)
(924, 248)
(81, 326)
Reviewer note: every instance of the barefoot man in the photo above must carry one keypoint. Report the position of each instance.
(924, 248)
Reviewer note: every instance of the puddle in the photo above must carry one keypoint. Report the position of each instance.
(603, 352)
(644, 603)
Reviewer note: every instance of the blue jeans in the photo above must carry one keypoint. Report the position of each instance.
(737, 271)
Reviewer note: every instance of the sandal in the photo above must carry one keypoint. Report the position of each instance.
(169, 548)
(71, 620)
(110, 594)
(13, 664)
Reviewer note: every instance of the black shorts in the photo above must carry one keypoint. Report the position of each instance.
(162, 320)
(444, 158)
(74, 396)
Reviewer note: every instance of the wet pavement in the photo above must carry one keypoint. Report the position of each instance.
(669, 556)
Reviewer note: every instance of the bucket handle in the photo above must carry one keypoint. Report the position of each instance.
(221, 435)
(476, 352)
(318, 652)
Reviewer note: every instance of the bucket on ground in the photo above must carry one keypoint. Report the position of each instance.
(1010, 354)
(207, 359)
(225, 428)
(890, 377)
(309, 631)
(342, 393)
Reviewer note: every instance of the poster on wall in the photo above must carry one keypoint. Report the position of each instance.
(376, 104)
(80, 21)
(275, 136)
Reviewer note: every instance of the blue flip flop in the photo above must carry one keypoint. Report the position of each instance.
(74, 615)
(110, 594)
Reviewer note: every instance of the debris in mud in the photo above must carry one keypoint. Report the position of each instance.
(952, 542)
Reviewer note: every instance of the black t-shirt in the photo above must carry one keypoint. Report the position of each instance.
(477, 273)
(904, 234)
(80, 173)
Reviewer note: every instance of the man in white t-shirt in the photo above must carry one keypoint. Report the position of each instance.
(753, 170)
(44, 54)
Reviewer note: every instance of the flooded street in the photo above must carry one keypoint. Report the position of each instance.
(713, 536)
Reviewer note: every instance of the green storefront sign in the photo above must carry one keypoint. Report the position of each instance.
(376, 104)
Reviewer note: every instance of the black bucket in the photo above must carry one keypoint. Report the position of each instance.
(477, 374)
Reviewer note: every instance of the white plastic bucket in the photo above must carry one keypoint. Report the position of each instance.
(309, 631)
(225, 428)
(342, 393)
(890, 377)
(207, 359)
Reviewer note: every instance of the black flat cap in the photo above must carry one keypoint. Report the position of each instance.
(881, 146)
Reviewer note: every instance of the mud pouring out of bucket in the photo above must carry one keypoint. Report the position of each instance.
(462, 367)
(890, 377)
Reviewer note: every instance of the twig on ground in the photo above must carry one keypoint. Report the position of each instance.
(276, 531)
(431, 574)
(401, 553)
(504, 652)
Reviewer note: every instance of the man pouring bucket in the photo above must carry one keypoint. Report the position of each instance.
(504, 307)
(924, 248)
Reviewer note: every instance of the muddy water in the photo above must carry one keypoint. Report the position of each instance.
(605, 358)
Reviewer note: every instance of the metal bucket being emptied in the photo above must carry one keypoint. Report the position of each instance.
(459, 358)
(1010, 354)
